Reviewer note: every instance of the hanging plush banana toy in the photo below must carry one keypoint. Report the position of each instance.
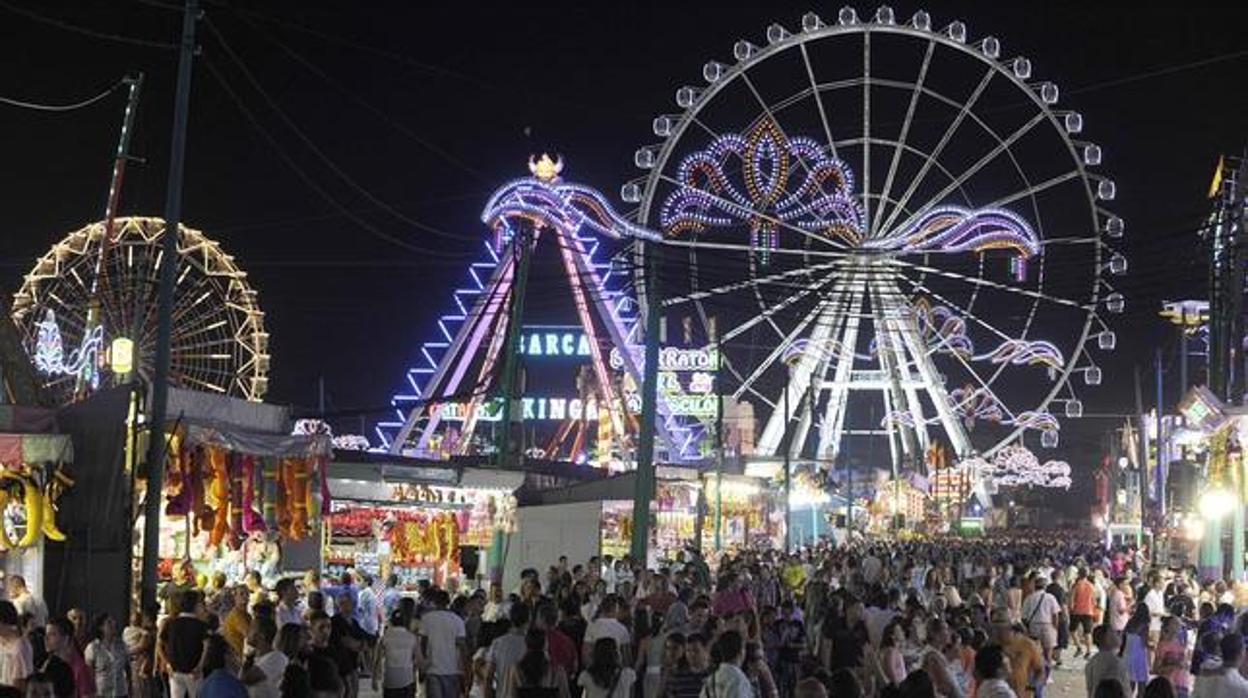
(40, 504)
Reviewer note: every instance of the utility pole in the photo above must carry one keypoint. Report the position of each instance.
(719, 446)
(521, 252)
(1160, 482)
(1143, 462)
(164, 308)
(788, 466)
(644, 491)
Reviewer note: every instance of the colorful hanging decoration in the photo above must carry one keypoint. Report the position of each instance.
(28, 499)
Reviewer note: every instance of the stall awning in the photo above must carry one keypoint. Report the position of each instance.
(258, 444)
(20, 419)
(226, 413)
(35, 448)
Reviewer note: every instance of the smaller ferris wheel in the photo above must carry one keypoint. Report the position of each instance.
(87, 313)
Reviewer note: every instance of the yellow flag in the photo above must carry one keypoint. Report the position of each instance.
(1216, 184)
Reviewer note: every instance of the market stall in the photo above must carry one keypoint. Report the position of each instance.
(749, 514)
(33, 476)
(434, 523)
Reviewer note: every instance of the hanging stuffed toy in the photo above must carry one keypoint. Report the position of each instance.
(234, 465)
(198, 472)
(269, 489)
(252, 521)
(295, 489)
(219, 494)
(56, 485)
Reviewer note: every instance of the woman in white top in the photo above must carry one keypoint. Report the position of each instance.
(605, 677)
(16, 658)
(398, 655)
(106, 655)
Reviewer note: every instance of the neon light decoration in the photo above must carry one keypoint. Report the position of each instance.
(49, 354)
(447, 384)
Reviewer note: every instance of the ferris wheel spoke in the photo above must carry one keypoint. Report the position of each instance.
(887, 190)
(774, 355)
(940, 146)
(866, 129)
(192, 380)
(745, 78)
(739, 285)
(818, 95)
(921, 288)
(1035, 189)
(1002, 146)
(772, 310)
(988, 283)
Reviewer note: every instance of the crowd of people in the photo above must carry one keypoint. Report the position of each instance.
(955, 618)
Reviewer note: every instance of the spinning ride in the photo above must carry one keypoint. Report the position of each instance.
(892, 233)
(87, 313)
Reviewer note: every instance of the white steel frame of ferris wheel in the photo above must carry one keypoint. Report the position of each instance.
(903, 371)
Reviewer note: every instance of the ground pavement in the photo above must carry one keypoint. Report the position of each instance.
(1066, 682)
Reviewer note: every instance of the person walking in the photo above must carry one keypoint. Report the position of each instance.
(182, 645)
(16, 656)
(264, 664)
(106, 656)
(505, 652)
(444, 642)
(728, 680)
(398, 656)
(24, 601)
(606, 676)
(535, 675)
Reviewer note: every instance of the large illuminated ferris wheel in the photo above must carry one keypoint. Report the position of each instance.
(95, 287)
(893, 231)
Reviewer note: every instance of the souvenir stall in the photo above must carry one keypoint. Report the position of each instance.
(749, 514)
(675, 511)
(234, 499)
(33, 475)
(898, 505)
(434, 523)
(240, 492)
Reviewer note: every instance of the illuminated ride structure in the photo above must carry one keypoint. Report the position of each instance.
(895, 238)
(457, 386)
(86, 313)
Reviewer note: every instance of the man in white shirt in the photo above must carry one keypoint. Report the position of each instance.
(264, 666)
(606, 625)
(1155, 599)
(445, 647)
(288, 610)
(505, 653)
(1040, 613)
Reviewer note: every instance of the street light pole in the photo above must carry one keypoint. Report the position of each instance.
(644, 488)
(788, 467)
(164, 309)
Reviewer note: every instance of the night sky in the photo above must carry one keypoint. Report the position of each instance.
(428, 108)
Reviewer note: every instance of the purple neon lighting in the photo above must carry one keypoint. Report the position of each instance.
(958, 229)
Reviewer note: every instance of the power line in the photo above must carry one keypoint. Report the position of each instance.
(437, 255)
(61, 107)
(85, 31)
(316, 150)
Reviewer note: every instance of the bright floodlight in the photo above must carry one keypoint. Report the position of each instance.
(1216, 503)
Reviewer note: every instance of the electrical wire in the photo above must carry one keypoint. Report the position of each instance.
(384, 117)
(105, 36)
(438, 256)
(61, 107)
(315, 149)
